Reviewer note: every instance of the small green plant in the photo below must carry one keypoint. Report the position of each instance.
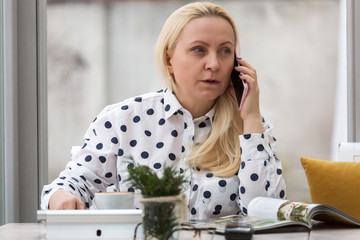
(159, 218)
(143, 178)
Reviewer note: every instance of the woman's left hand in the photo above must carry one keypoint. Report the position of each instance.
(250, 111)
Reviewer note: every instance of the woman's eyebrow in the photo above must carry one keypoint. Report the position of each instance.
(207, 44)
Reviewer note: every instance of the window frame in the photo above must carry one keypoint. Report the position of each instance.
(24, 109)
(353, 70)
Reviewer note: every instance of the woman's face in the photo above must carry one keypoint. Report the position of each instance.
(202, 60)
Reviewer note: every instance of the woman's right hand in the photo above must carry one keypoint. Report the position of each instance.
(62, 200)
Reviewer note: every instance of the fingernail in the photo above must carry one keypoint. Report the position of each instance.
(240, 58)
(240, 74)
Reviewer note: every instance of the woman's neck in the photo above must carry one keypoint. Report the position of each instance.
(197, 109)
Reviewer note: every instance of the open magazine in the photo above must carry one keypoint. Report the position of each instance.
(275, 215)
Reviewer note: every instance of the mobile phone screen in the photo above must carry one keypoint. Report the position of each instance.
(240, 86)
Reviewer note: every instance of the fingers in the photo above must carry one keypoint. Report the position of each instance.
(244, 63)
(250, 108)
(62, 200)
(246, 69)
(68, 204)
(247, 72)
(79, 204)
(72, 203)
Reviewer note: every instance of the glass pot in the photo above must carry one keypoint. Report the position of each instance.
(162, 215)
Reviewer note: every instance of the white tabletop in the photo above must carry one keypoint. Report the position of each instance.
(34, 231)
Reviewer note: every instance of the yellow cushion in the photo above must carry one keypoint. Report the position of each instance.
(334, 183)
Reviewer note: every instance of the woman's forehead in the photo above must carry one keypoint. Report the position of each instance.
(206, 29)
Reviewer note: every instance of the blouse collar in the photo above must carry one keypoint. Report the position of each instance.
(172, 106)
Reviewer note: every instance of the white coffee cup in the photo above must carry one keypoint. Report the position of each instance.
(114, 200)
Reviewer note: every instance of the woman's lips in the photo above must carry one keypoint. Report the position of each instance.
(210, 81)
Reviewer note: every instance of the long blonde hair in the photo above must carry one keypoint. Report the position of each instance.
(220, 151)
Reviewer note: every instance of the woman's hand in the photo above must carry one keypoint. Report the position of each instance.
(250, 111)
(62, 200)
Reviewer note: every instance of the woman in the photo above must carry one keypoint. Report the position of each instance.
(194, 125)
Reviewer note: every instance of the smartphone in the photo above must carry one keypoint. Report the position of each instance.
(238, 231)
(241, 87)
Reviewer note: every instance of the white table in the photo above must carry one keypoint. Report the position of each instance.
(35, 231)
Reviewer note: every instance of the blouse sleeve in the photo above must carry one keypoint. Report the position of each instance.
(260, 173)
(93, 167)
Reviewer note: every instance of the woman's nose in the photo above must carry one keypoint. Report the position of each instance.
(212, 62)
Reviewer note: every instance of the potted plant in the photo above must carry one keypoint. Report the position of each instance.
(164, 204)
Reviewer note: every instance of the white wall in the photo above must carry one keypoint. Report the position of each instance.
(102, 54)
(76, 76)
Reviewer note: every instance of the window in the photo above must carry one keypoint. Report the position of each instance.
(286, 52)
(101, 52)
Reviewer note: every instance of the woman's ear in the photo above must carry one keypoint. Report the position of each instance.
(168, 64)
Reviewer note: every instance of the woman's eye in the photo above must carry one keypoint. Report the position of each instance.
(225, 51)
(198, 50)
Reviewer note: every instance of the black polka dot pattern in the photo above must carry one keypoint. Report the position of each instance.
(172, 157)
(254, 177)
(282, 194)
(247, 136)
(102, 159)
(222, 183)
(120, 152)
(47, 191)
(207, 194)
(162, 122)
(157, 165)
(123, 128)
(193, 211)
(136, 119)
(174, 133)
(156, 131)
(267, 185)
(217, 209)
(260, 147)
(145, 155)
(108, 124)
(202, 125)
(209, 175)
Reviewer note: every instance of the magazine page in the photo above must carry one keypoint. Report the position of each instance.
(296, 211)
(265, 207)
(330, 214)
(260, 225)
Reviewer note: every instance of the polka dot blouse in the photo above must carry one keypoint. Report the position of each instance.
(157, 131)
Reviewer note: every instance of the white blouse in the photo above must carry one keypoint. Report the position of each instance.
(156, 131)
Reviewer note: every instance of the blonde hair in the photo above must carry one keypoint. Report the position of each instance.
(220, 151)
